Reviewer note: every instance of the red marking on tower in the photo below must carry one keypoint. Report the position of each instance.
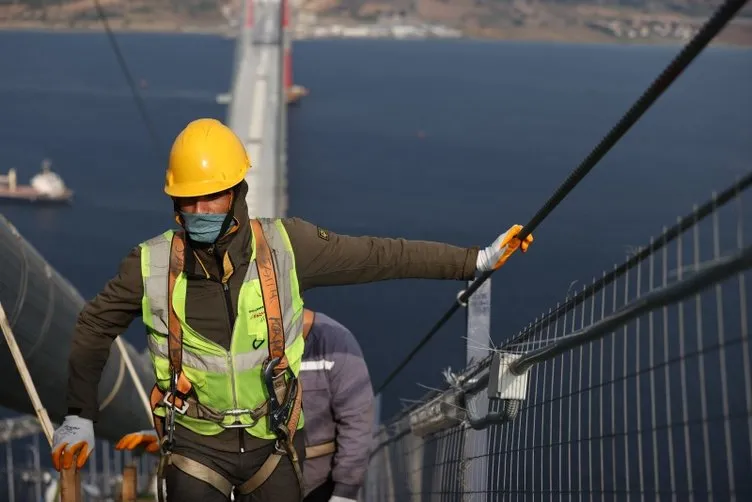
(249, 13)
(288, 52)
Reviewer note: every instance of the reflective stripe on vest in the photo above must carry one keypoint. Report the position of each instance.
(223, 380)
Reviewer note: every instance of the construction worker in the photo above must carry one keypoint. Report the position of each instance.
(221, 302)
(338, 403)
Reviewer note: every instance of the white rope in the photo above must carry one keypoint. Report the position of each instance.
(23, 370)
(134, 377)
(116, 386)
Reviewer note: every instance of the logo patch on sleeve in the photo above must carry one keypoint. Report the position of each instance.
(324, 234)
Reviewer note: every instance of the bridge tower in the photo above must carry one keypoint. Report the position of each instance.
(292, 92)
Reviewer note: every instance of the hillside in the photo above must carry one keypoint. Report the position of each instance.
(652, 21)
(161, 15)
(570, 20)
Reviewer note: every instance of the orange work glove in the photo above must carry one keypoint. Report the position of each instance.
(496, 255)
(147, 439)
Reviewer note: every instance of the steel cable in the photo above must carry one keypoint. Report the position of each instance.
(710, 29)
(156, 144)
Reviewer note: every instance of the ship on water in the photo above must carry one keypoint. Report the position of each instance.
(45, 186)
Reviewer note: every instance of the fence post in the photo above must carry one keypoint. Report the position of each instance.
(414, 465)
(475, 478)
(130, 481)
(70, 484)
(388, 477)
(106, 458)
(369, 491)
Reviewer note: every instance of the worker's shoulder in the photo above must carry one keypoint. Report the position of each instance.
(293, 223)
(333, 335)
(270, 223)
(152, 245)
(132, 261)
(304, 234)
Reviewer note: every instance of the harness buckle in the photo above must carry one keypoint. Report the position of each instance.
(279, 449)
(279, 412)
(237, 413)
(165, 402)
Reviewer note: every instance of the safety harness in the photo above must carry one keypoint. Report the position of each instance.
(283, 407)
(319, 450)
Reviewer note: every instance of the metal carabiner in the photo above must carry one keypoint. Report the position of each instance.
(278, 412)
(170, 418)
(269, 368)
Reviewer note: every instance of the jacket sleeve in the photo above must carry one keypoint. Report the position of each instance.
(102, 319)
(324, 258)
(352, 408)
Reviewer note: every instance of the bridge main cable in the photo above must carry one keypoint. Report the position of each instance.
(139, 100)
(710, 29)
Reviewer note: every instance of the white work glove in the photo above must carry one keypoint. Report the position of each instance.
(336, 498)
(495, 255)
(73, 439)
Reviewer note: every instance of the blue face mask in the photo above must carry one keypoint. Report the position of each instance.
(203, 227)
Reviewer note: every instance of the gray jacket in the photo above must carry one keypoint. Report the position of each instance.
(337, 405)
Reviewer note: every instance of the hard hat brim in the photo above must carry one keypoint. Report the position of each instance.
(202, 187)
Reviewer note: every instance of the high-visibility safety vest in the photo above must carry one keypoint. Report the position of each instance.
(223, 380)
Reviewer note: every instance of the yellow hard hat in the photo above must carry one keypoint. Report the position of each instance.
(206, 157)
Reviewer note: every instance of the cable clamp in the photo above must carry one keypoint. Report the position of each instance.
(459, 298)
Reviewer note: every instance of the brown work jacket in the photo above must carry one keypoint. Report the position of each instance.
(322, 258)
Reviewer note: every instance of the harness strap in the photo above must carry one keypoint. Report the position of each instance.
(267, 468)
(320, 450)
(190, 407)
(270, 296)
(260, 476)
(202, 472)
(164, 459)
(273, 310)
(174, 339)
(174, 330)
(308, 318)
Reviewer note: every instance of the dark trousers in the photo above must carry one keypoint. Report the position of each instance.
(237, 468)
(321, 493)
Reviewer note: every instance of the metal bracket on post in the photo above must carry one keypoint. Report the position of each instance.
(447, 409)
(505, 385)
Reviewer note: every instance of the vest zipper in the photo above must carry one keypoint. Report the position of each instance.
(230, 313)
(231, 319)
(228, 302)
(234, 396)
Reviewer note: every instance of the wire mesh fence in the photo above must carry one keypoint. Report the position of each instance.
(656, 408)
(26, 471)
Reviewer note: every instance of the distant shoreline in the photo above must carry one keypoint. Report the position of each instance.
(161, 30)
(578, 36)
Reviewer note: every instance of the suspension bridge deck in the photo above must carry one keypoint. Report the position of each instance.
(258, 107)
